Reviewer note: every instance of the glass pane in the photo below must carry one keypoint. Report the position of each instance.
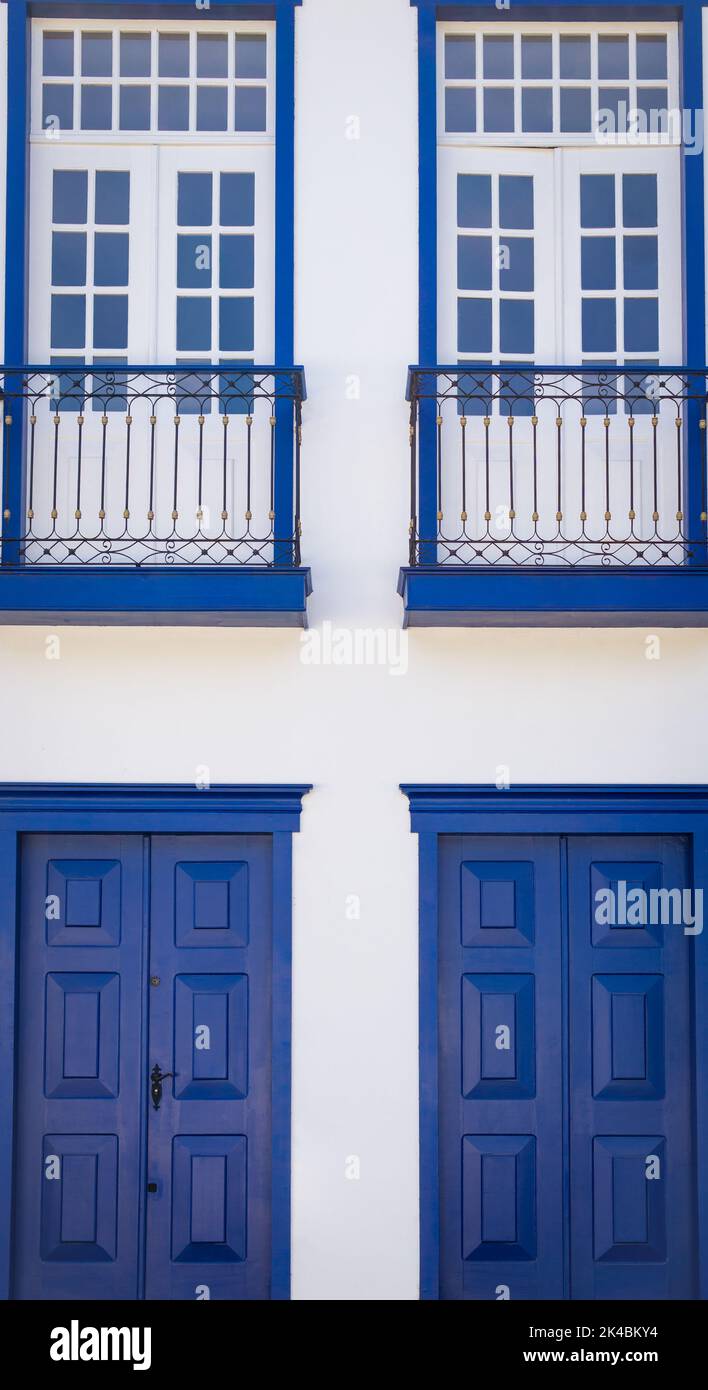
(69, 196)
(134, 108)
(536, 108)
(235, 325)
(613, 105)
(68, 327)
(651, 56)
(516, 325)
(250, 108)
(237, 197)
(612, 55)
(68, 390)
(641, 325)
(250, 55)
(194, 262)
(498, 57)
(652, 102)
(516, 391)
(173, 55)
(68, 258)
(639, 200)
(516, 263)
(599, 390)
(110, 258)
(474, 325)
(96, 108)
(460, 109)
(574, 56)
(597, 200)
(236, 390)
(193, 324)
(109, 389)
(575, 109)
(459, 56)
(641, 263)
(536, 57)
(173, 108)
(57, 106)
(58, 55)
(640, 388)
(516, 201)
(599, 325)
(211, 108)
(498, 109)
(96, 55)
(474, 393)
(474, 200)
(112, 197)
(135, 55)
(598, 270)
(236, 262)
(474, 262)
(110, 321)
(212, 55)
(194, 200)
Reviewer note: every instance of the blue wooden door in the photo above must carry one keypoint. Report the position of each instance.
(500, 1084)
(631, 1141)
(565, 1072)
(139, 952)
(80, 1075)
(209, 1143)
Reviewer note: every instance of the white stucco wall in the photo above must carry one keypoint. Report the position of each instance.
(153, 705)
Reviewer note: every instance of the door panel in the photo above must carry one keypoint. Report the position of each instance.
(630, 1078)
(565, 1071)
(500, 1084)
(79, 1172)
(210, 1023)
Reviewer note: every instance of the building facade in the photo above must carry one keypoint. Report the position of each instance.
(353, 598)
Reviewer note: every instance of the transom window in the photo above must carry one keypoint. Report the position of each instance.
(550, 81)
(156, 79)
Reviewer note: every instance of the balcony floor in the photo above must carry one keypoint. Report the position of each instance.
(591, 596)
(167, 596)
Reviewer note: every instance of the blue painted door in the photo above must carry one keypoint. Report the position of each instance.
(565, 1072)
(209, 1143)
(139, 952)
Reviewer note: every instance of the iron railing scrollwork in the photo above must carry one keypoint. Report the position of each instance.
(151, 465)
(558, 466)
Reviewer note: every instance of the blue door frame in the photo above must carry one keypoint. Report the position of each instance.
(537, 810)
(45, 808)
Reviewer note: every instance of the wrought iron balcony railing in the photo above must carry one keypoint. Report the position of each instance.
(150, 466)
(588, 466)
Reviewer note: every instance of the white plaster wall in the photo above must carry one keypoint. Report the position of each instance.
(152, 705)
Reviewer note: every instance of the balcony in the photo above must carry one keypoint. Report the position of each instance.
(557, 497)
(141, 495)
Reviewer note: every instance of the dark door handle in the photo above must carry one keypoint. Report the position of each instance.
(156, 1079)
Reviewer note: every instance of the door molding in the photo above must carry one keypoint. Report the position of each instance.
(43, 807)
(580, 809)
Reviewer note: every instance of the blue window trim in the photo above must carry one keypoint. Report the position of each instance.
(689, 15)
(449, 809)
(20, 12)
(46, 807)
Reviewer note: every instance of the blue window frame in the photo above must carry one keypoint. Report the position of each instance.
(272, 810)
(455, 810)
(20, 13)
(429, 595)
